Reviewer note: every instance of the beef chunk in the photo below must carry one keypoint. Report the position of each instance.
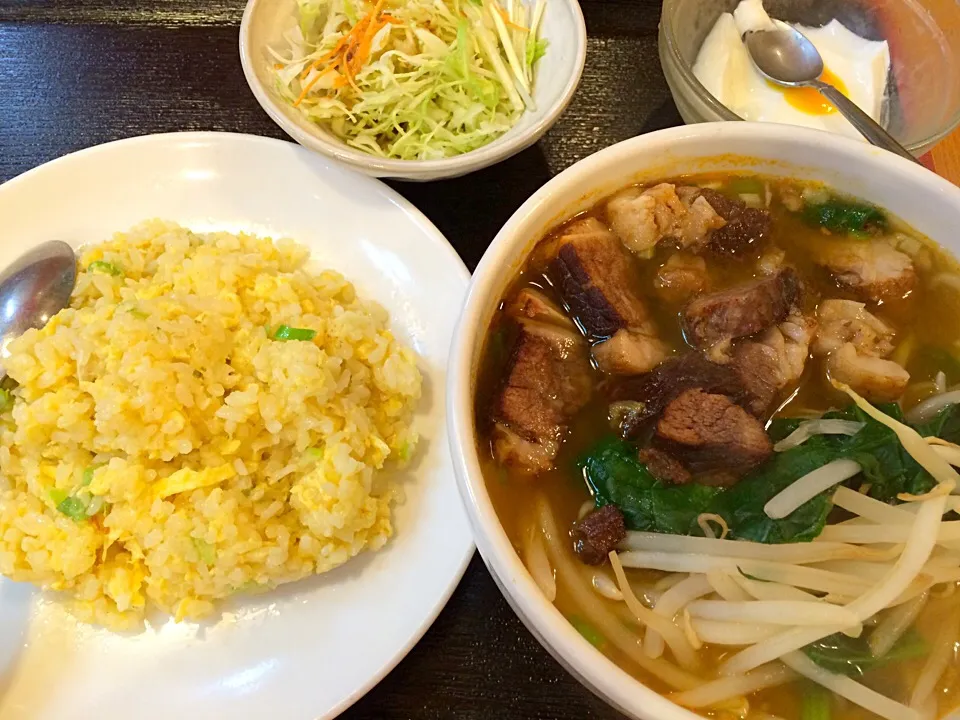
(773, 361)
(597, 534)
(742, 310)
(711, 433)
(591, 269)
(548, 381)
(756, 366)
(655, 390)
(871, 269)
(745, 227)
(664, 468)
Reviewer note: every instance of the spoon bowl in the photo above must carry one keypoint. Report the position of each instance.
(784, 55)
(35, 288)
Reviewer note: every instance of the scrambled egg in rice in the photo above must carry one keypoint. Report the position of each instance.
(206, 418)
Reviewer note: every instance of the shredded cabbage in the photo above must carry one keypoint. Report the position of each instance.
(412, 79)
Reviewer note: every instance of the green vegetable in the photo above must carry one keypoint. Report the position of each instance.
(746, 185)
(57, 495)
(285, 332)
(843, 216)
(6, 400)
(593, 636)
(87, 476)
(205, 550)
(616, 476)
(73, 507)
(742, 505)
(536, 48)
(405, 451)
(815, 703)
(104, 267)
(851, 656)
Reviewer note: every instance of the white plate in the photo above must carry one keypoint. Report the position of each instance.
(312, 648)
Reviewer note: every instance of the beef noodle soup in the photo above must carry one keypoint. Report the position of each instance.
(716, 419)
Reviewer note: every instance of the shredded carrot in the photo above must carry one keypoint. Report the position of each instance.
(388, 18)
(306, 88)
(507, 21)
(351, 52)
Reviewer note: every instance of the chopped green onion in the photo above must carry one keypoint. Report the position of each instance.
(57, 495)
(87, 476)
(138, 313)
(593, 636)
(746, 185)
(104, 267)
(285, 332)
(205, 550)
(815, 703)
(6, 400)
(73, 507)
(315, 452)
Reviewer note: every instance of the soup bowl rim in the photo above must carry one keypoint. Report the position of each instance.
(503, 257)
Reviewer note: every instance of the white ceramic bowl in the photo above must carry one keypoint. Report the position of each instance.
(558, 74)
(927, 202)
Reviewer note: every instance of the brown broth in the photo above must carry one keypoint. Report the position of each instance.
(928, 321)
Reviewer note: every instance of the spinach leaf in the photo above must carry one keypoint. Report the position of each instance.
(946, 425)
(742, 505)
(844, 216)
(617, 477)
(851, 656)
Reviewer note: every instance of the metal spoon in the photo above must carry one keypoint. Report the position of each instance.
(785, 56)
(35, 288)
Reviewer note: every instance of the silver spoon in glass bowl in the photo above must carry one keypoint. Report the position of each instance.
(785, 56)
(35, 288)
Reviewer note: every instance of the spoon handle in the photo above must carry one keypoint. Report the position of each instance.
(866, 125)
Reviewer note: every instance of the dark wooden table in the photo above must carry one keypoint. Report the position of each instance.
(76, 73)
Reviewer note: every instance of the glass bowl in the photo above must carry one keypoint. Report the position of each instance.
(924, 38)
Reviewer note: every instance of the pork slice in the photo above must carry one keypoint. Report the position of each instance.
(597, 534)
(878, 380)
(849, 321)
(681, 278)
(871, 269)
(642, 218)
(592, 272)
(547, 382)
(712, 434)
(664, 467)
(656, 389)
(742, 310)
(745, 227)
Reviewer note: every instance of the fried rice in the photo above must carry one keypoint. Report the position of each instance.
(208, 417)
